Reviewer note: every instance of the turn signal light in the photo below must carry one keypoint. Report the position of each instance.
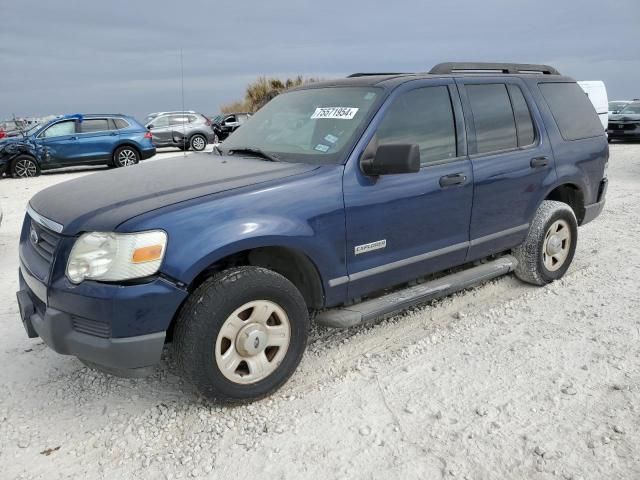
(147, 254)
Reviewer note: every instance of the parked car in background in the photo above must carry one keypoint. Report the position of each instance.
(625, 125)
(12, 128)
(597, 93)
(184, 130)
(616, 105)
(70, 140)
(340, 197)
(229, 123)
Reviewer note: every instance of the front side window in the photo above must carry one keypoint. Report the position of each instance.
(424, 117)
(312, 125)
(60, 129)
(160, 122)
(94, 125)
(493, 117)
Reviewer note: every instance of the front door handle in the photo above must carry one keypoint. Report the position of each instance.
(539, 162)
(453, 179)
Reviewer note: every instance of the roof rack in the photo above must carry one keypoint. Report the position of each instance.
(362, 74)
(487, 67)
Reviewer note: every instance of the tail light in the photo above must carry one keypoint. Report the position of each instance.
(148, 135)
(2, 133)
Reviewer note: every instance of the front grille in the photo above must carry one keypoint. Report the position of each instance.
(91, 327)
(43, 241)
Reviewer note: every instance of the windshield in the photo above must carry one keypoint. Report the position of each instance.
(633, 108)
(31, 130)
(316, 125)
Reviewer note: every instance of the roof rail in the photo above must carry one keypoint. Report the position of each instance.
(451, 67)
(361, 74)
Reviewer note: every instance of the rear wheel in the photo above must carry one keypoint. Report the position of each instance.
(125, 156)
(25, 166)
(241, 334)
(548, 250)
(198, 143)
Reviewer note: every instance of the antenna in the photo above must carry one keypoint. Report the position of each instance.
(184, 149)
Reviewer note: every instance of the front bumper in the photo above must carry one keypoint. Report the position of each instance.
(115, 326)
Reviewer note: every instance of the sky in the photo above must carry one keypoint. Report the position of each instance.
(123, 56)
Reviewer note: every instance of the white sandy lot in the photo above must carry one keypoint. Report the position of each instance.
(503, 381)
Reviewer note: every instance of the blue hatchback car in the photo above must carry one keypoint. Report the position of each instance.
(70, 140)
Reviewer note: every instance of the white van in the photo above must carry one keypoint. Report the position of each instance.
(597, 93)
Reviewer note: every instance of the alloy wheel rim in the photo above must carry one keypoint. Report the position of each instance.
(198, 143)
(556, 246)
(127, 158)
(26, 168)
(253, 341)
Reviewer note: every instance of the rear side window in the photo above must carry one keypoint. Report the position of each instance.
(572, 110)
(423, 116)
(524, 123)
(94, 125)
(120, 123)
(492, 117)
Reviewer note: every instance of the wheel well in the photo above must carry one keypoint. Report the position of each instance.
(295, 266)
(572, 196)
(125, 145)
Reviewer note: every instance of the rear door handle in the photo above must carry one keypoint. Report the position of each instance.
(539, 162)
(453, 179)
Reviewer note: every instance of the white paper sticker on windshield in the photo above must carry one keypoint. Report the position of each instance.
(331, 138)
(344, 113)
(322, 148)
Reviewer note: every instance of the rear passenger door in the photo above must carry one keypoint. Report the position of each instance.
(96, 140)
(400, 227)
(511, 158)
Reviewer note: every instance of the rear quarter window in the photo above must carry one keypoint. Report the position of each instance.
(572, 110)
(120, 123)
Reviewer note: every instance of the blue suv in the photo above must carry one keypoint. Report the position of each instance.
(70, 140)
(342, 201)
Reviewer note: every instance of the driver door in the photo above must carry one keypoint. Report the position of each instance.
(59, 143)
(161, 131)
(404, 226)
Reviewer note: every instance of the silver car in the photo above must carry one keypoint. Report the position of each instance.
(184, 130)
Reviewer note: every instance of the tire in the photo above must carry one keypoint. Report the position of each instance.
(125, 156)
(24, 166)
(548, 250)
(221, 322)
(198, 143)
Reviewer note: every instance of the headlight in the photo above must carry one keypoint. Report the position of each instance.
(116, 256)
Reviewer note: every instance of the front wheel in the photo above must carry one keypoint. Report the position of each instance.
(241, 334)
(125, 157)
(548, 250)
(24, 166)
(198, 143)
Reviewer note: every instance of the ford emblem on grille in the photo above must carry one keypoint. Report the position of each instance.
(33, 236)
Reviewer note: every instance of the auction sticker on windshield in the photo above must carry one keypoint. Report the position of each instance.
(344, 113)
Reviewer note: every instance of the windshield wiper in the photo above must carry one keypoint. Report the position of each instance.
(257, 152)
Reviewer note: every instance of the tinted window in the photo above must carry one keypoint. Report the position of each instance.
(423, 116)
(524, 123)
(94, 125)
(492, 117)
(572, 110)
(120, 123)
(60, 129)
(230, 119)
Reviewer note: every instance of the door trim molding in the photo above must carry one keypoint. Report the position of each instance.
(334, 282)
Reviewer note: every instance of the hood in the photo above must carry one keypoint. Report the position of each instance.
(104, 200)
(625, 117)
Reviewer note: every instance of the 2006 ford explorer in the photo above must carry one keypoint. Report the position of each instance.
(352, 199)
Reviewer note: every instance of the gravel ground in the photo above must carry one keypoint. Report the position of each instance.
(502, 381)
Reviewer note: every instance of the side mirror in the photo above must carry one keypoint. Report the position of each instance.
(391, 159)
(150, 126)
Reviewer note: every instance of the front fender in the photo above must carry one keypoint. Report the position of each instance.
(187, 258)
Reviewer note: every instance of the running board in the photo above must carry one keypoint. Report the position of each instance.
(370, 310)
